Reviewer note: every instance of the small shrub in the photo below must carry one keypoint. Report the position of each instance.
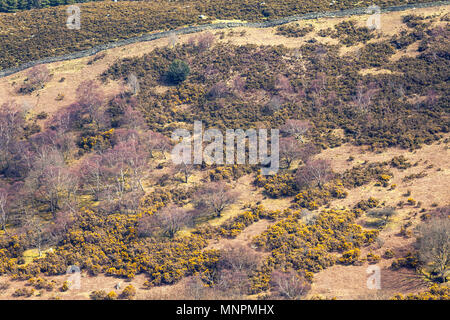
(111, 296)
(4, 286)
(384, 214)
(65, 286)
(372, 258)
(42, 115)
(128, 293)
(98, 295)
(388, 254)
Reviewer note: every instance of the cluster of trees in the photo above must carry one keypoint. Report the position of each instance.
(260, 90)
(39, 166)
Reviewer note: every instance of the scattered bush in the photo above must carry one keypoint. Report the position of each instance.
(23, 292)
(435, 292)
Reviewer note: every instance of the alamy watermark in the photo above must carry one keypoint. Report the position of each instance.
(374, 279)
(374, 21)
(191, 148)
(74, 278)
(74, 18)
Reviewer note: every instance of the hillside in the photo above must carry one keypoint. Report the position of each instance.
(88, 179)
(41, 33)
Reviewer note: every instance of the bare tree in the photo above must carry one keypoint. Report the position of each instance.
(36, 230)
(4, 210)
(314, 171)
(218, 90)
(186, 169)
(431, 97)
(205, 41)
(233, 283)
(93, 176)
(295, 128)
(364, 96)
(235, 267)
(116, 175)
(195, 289)
(283, 85)
(290, 150)
(133, 154)
(59, 140)
(60, 226)
(214, 197)
(173, 218)
(159, 142)
(50, 181)
(169, 220)
(307, 150)
(133, 83)
(289, 285)
(239, 257)
(116, 172)
(36, 79)
(91, 97)
(238, 85)
(12, 121)
(434, 246)
(147, 226)
(274, 105)
(172, 40)
(133, 119)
